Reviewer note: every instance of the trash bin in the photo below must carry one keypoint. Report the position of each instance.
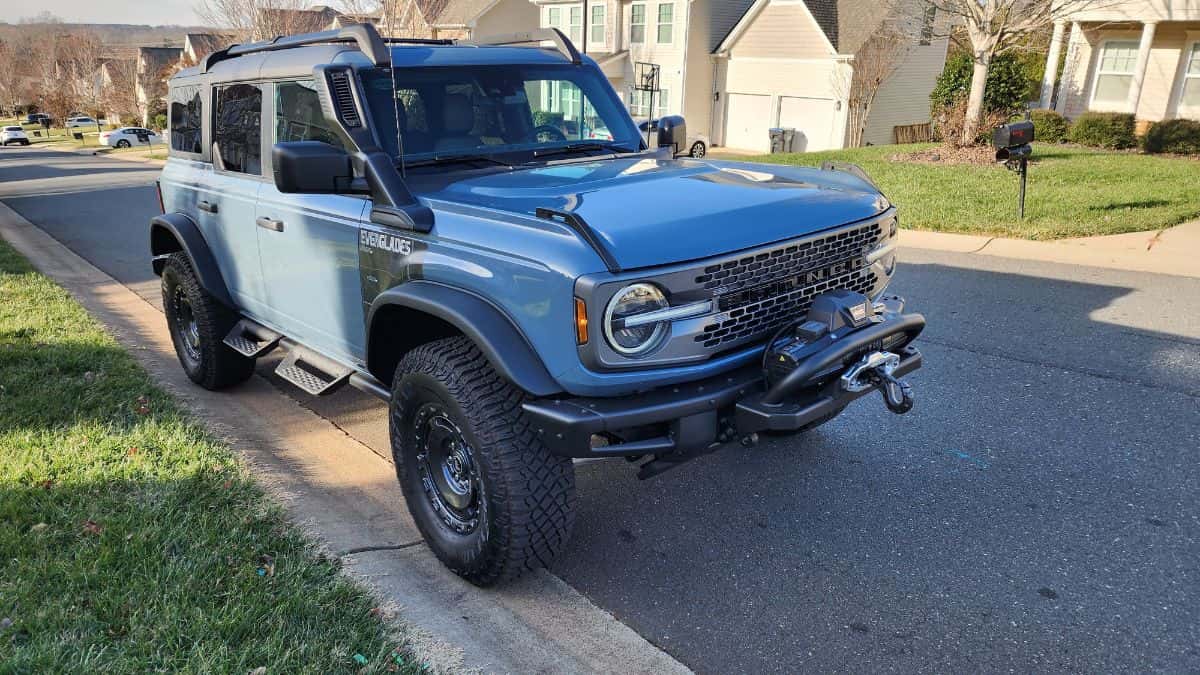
(776, 140)
(789, 140)
(78, 136)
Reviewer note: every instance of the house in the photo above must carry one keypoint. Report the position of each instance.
(198, 45)
(461, 19)
(1128, 56)
(152, 66)
(736, 68)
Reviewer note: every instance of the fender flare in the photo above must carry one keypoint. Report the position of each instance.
(185, 232)
(504, 345)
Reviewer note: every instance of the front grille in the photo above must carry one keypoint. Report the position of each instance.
(760, 293)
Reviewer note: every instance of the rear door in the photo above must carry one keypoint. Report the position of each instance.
(227, 207)
(309, 243)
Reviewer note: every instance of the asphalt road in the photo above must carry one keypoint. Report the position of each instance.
(1039, 510)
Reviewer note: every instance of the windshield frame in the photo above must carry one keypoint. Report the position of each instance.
(596, 93)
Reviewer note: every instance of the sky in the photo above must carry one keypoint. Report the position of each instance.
(152, 12)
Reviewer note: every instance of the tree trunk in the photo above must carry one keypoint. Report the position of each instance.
(974, 112)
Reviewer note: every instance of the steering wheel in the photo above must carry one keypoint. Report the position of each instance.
(552, 134)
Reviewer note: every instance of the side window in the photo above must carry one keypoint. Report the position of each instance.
(186, 120)
(237, 127)
(298, 115)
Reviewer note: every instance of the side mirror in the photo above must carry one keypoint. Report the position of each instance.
(672, 133)
(312, 167)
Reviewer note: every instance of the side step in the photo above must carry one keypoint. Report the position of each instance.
(251, 339)
(312, 372)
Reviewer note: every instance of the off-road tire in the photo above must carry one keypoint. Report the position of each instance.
(213, 365)
(527, 495)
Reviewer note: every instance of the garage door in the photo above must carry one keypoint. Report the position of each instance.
(812, 118)
(748, 122)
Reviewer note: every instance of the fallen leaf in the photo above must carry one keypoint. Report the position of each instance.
(39, 527)
(92, 527)
(267, 566)
(143, 410)
(261, 670)
(133, 450)
(47, 484)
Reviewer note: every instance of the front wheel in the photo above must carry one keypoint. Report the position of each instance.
(488, 496)
(699, 150)
(122, 143)
(199, 323)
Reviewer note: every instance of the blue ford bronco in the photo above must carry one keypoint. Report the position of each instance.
(478, 234)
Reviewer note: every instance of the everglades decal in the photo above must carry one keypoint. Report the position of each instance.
(381, 241)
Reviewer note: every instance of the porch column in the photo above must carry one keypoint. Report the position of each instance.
(1068, 76)
(1051, 76)
(1139, 70)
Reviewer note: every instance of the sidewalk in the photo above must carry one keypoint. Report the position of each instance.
(126, 155)
(1171, 251)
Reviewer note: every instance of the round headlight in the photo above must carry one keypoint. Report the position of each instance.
(627, 304)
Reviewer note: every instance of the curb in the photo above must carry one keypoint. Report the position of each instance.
(123, 156)
(1170, 251)
(345, 496)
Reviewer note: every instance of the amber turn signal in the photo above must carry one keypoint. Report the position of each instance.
(581, 322)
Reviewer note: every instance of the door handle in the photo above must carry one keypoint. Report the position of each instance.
(270, 223)
(207, 207)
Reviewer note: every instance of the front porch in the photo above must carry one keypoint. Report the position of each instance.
(1149, 67)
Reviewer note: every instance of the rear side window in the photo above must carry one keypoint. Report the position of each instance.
(298, 115)
(237, 128)
(187, 117)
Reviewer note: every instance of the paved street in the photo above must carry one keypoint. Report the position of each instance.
(1037, 512)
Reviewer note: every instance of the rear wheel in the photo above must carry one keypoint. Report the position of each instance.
(122, 143)
(699, 150)
(198, 325)
(490, 499)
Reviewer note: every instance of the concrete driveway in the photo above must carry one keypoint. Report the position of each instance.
(1037, 511)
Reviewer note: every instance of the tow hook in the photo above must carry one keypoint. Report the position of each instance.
(877, 370)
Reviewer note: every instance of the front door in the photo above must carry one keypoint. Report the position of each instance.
(309, 243)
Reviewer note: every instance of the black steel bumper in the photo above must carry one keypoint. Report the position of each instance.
(687, 418)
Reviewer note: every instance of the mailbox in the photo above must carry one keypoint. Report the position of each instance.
(1012, 135)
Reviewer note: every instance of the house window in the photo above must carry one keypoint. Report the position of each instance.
(596, 25)
(576, 24)
(1114, 74)
(639, 103)
(1189, 98)
(661, 101)
(553, 17)
(927, 23)
(637, 24)
(666, 23)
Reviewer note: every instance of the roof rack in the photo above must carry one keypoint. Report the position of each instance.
(363, 34)
(554, 35)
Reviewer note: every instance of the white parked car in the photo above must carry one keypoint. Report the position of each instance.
(129, 136)
(13, 135)
(83, 121)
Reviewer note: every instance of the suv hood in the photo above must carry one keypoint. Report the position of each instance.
(651, 211)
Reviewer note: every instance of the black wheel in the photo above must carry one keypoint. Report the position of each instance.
(699, 150)
(122, 143)
(487, 495)
(198, 324)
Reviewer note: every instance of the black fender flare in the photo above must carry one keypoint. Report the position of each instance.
(187, 235)
(504, 345)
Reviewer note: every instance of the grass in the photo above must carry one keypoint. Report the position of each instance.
(131, 540)
(1073, 191)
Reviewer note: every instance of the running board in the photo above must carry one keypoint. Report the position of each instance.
(312, 372)
(251, 340)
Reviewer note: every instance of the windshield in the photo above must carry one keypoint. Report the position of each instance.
(474, 110)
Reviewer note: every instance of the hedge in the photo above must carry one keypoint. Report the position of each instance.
(1114, 131)
(1176, 136)
(1049, 126)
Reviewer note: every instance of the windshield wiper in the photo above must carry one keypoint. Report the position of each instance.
(575, 147)
(458, 159)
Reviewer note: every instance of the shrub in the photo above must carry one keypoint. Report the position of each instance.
(1178, 136)
(1104, 130)
(1009, 84)
(948, 123)
(1049, 126)
(160, 121)
(545, 118)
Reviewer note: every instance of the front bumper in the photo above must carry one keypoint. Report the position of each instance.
(687, 419)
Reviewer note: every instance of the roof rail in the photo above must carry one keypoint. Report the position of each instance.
(363, 34)
(561, 42)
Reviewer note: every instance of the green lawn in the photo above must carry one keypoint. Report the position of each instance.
(1073, 192)
(132, 541)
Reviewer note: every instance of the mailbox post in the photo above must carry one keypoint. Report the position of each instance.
(1012, 142)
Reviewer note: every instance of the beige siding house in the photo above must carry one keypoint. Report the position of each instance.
(1132, 56)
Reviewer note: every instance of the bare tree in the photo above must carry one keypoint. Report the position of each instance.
(264, 19)
(11, 75)
(81, 63)
(119, 90)
(876, 59)
(48, 54)
(996, 26)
